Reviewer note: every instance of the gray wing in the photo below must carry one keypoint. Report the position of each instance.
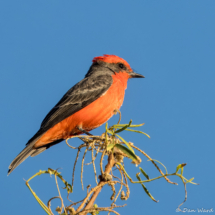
(78, 97)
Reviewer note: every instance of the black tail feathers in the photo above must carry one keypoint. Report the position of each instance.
(29, 150)
(26, 152)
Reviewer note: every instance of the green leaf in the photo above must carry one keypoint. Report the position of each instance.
(177, 168)
(38, 199)
(180, 166)
(145, 189)
(137, 132)
(123, 169)
(160, 164)
(110, 146)
(106, 128)
(131, 126)
(126, 151)
(110, 132)
(68, 187)
(188, 181)
(144, 173)
(95, 206)
(182, 170)
(124, 127)
(126, 143)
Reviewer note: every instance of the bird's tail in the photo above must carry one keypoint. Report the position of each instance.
(29, 150)
(26, 152)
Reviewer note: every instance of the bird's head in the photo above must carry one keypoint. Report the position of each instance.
(112, 64)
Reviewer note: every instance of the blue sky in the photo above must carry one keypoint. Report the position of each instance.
(47, 46)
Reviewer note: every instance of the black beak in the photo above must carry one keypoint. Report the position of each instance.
(135, 75)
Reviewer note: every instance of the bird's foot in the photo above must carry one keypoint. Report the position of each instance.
(85, 132)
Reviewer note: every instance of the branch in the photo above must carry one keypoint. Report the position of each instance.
(108, 167)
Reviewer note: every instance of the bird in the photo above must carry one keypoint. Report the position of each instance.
(86, 106)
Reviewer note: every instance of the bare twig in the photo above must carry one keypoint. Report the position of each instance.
(108, 168)
(185, 199)
(82, 167)
(73, 173)
(153, 163)
(93, 158)
(49, 203)
(118, 111)
(127, 188)
(101, 167)
(121, 180)
(62, 205)
(114, 191)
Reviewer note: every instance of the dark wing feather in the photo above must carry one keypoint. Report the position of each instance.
(78, 97)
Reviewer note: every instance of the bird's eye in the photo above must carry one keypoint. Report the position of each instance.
(121, 66)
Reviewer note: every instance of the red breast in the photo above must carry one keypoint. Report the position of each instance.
(92, 116)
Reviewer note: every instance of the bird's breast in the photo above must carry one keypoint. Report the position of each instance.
(99, 111)
(91, 116)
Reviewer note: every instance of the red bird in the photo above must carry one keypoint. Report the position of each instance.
(86, 106)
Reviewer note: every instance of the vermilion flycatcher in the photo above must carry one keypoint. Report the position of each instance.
(86, 106)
